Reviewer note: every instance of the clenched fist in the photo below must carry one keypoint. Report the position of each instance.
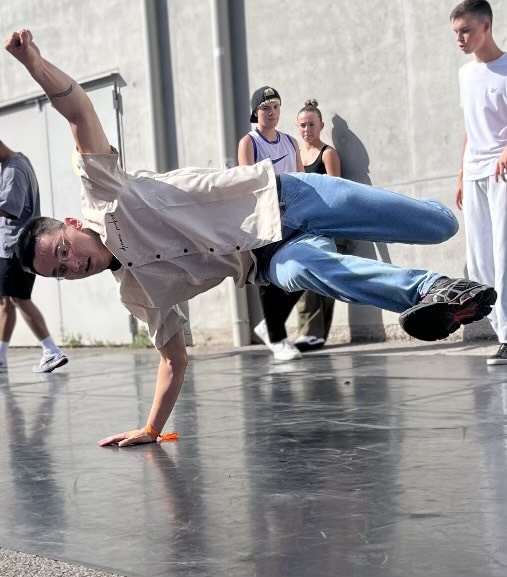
(22, 47)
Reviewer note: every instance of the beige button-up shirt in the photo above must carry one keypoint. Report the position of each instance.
(178, 234)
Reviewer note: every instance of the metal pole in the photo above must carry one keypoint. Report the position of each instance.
(227, 144)
(160, 85)
(161, 100)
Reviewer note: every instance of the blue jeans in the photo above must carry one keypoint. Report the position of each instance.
(316, 208)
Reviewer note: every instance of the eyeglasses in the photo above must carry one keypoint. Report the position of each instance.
(63, 252)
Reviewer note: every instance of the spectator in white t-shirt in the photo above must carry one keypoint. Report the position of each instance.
(482, 183)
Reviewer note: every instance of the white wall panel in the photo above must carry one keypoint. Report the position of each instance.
(88, 308)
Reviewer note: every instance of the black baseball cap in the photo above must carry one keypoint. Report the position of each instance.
(261, 95)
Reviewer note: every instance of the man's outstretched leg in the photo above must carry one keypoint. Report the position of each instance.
(432, 306)
(338, 208)
(448, 304)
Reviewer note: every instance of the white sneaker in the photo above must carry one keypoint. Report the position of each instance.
(285, 351)
(309, 343)
(49, 363)
(282, 351)
(500, 357)
(261, 330)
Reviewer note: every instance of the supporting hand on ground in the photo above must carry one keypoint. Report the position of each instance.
(135, 437)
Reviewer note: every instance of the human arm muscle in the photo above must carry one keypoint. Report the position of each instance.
(171, 371)
(332, 162)
(246, 154)
(459, 188)
(299, 162)
(65, 94)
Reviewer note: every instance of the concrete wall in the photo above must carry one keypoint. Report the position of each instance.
(385, 74)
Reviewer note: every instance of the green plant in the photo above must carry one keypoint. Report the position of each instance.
(101, 343)
(70, 340)
(142, 340)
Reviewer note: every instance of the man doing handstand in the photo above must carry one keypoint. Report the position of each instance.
(167, 238)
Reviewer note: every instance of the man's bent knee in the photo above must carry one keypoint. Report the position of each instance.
(447, 230)
(443, 228)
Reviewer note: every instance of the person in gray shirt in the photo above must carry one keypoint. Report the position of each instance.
(19, 202)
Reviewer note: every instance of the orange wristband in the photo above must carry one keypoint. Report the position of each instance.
(151, 431)
(170, 437)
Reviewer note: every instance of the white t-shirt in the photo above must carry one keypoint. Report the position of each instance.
(483, 87)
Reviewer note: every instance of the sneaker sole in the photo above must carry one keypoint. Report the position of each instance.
(304, 347)
(436, 321)
(286, 359)
(493, 362)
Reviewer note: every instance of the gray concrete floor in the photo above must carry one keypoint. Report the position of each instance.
(385, 460)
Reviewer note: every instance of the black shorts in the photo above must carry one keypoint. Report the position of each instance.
(14, 281)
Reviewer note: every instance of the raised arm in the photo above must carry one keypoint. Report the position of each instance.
(65, 94)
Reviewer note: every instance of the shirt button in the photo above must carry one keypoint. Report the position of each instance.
(211, 249)
(185, 250)
(129, 264)
(158, 256)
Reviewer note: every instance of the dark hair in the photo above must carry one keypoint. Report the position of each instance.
(478, 8)
(311, 106)
(33, 230)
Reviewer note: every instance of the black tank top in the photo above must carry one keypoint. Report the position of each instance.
(318, 165)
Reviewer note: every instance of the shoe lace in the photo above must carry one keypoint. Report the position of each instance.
(502, 350)
(450, 289)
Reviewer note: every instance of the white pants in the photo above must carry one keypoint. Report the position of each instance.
(485, 213)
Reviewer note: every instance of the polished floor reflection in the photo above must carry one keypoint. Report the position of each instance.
(342, 464)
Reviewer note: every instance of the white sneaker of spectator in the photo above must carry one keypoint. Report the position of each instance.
(283, 350)
(49, 363)
(309, 343)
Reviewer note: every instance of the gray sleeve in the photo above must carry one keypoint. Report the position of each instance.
(13, 190)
